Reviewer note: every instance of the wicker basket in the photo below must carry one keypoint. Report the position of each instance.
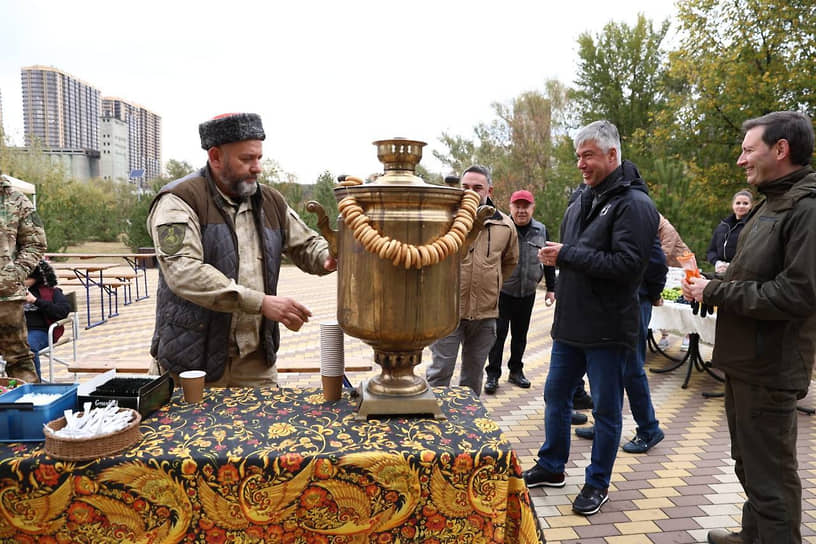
(84, 449)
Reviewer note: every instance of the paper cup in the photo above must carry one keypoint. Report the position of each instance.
(332, 387)
(192, 384)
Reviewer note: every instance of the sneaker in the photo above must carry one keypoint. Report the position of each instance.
(519, 379)
(720, 536)
(642, 444)
(586, 432)
(537, 476)
(491, 385)
(589, 500)
(581, 400)
(684, 345)
(663, 343)
(578, 418)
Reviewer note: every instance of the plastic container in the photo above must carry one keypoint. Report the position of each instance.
(148, 395)
(23, 422)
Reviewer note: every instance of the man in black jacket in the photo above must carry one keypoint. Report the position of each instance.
(766, 326)
(607, 232)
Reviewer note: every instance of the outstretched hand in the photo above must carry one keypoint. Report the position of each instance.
(291, 313)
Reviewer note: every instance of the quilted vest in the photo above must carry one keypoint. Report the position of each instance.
(188, 336)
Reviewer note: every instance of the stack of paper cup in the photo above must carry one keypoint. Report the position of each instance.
(332, 363)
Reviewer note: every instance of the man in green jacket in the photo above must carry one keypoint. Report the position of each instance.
(766, 326)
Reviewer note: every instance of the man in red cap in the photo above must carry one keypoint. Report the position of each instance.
(518, 292)
(220, 238)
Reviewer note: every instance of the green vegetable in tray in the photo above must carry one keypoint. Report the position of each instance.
(671, 294)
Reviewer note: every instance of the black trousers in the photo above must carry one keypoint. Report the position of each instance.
(514, 314)
(762, 423)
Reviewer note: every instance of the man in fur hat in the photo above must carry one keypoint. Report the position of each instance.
(219, 238)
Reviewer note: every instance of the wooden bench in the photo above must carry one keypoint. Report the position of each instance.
(97, 365)
(314, 366)
(142, 366)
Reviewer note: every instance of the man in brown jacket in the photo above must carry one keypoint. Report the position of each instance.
(766, 326)
(491, 258)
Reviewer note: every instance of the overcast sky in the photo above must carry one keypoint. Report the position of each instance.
(328, 77)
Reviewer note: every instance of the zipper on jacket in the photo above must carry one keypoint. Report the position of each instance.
(488, 241)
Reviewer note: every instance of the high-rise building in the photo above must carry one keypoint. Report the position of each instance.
(144, 134)
(59, 110)
(114, 153)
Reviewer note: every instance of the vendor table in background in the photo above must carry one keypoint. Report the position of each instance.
(681, 319)
(257, 464)
(135, 260)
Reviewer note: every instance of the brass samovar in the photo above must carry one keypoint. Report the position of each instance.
(398, 244)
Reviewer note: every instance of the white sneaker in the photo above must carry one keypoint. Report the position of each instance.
(663, 343)
(684, 345)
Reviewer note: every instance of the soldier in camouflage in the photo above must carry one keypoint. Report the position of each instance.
(22, 245)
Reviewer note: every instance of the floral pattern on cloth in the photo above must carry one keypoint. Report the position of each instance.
(278, 465)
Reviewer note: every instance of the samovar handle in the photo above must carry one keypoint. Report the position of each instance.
(323, 224)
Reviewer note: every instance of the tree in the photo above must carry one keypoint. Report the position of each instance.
(519, 149)
(324, 193)
(735, 60)
(621, 76)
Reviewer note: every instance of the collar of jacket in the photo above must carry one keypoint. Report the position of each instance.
(497, 216)
(781, 194)
(621, 178)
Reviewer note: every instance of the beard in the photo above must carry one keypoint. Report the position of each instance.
(240, 188)
(244, 188)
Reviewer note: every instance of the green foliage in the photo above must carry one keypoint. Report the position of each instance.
(324, 193)
(678, 199)
(735, 60)
(516, 146)
(72, 211)
(620, 75)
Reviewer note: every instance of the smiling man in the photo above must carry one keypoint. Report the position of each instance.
(220, 237)
(766, 326)
(608, 230)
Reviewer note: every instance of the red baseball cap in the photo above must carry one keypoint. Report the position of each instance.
(522, 195)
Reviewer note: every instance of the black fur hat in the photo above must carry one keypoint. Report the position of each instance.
(231, 127)
(43, 274)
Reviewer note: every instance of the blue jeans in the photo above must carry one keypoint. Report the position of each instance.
(604, 367)
(37, 339)
(635, 382)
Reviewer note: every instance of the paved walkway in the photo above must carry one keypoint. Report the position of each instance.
(675, 493)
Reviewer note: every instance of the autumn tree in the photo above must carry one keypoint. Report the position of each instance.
(621, 76)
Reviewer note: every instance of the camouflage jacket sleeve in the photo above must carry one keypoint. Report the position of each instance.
(25, 240)
(182, 262)
(307, 249)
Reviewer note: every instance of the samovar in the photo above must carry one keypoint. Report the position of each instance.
(397, 245)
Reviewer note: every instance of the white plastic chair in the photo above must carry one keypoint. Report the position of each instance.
(71, 337)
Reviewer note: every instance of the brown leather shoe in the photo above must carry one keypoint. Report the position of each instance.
(721, 536)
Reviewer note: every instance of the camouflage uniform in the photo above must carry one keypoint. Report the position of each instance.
(22, 245)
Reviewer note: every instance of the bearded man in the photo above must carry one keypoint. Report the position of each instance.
(219, 239)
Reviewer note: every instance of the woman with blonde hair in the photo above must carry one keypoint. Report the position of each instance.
(724, 241)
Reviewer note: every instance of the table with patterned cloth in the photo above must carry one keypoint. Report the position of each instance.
(278, 465)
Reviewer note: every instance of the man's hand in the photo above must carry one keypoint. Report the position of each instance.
(658, 302)
(549, 298)
(693, 288)
(548, 254)
(720, 267)
(330, 264)
(285, 310)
